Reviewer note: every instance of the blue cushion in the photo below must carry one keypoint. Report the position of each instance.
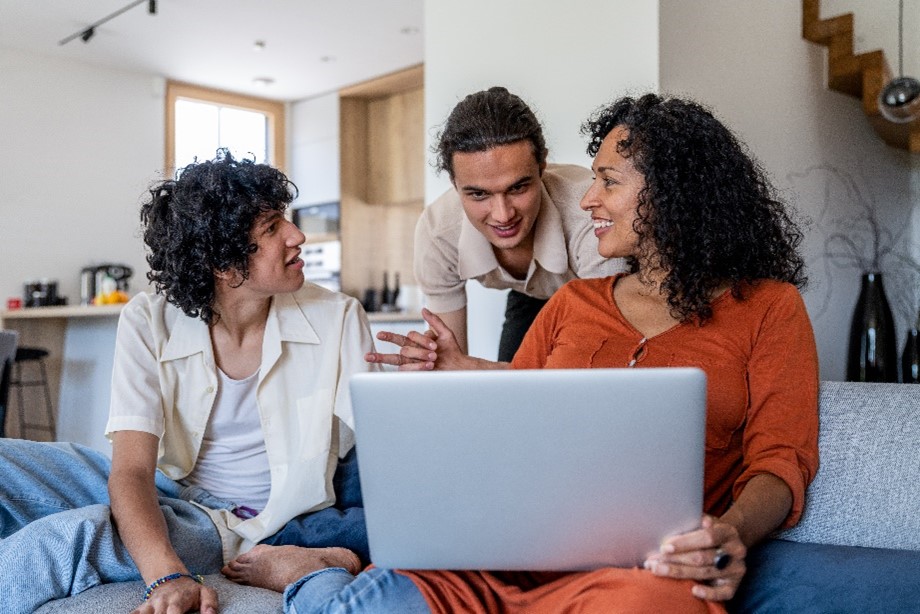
(785, 576)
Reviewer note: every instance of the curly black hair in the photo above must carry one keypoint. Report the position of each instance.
(200, 223)
(708, 212)
(487, 119)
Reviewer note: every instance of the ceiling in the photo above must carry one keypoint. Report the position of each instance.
(310, 46)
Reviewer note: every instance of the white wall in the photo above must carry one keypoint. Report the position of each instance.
(80, 145)
(748, 61)
(564, 58)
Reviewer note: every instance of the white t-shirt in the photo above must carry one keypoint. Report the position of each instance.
(233, 462)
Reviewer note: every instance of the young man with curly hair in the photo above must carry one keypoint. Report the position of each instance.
(229, 412)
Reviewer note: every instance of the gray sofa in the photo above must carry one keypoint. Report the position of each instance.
(857, 546)
(860, 529)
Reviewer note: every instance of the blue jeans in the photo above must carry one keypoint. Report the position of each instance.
(56, 532)
(340, 525)
(335, 591)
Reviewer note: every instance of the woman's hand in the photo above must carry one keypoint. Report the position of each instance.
(435, 349)
(698, 555)
(180, 595)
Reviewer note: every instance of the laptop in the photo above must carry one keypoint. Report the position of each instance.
(540, 470)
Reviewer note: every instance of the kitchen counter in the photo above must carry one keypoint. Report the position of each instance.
(91, 311)
(394, 316)
(81, 345)
(64, 311)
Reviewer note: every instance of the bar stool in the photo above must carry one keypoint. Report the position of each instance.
(32, 356)
(8, 340)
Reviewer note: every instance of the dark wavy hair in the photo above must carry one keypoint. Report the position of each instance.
(484, 120)
(708, 211)
(200, 223)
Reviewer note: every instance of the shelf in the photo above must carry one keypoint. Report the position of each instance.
(64, 311)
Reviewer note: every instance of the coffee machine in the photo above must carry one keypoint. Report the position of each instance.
(91, 279)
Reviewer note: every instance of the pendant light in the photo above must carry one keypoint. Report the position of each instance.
(899, 101)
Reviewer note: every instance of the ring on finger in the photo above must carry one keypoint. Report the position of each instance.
(721, 559)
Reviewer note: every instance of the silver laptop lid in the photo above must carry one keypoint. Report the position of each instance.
(529, 470)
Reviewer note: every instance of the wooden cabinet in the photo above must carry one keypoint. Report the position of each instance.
(396, 148)
(382, 170)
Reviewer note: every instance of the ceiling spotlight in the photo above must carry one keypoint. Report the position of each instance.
(263, 81)
(899, 100)
(259, 45)
(408, 30)
(87, 33)
(325, 59)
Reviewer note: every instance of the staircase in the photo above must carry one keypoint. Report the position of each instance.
(862, 76)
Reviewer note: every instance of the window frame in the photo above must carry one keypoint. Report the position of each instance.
(273, 110)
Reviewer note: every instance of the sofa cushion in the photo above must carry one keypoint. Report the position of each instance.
(808, 578)
(123, 597)
(867, 489)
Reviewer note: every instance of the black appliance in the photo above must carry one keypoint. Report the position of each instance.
(91, 279)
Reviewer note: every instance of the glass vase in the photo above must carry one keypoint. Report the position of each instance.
(910, 357)
(873, 353)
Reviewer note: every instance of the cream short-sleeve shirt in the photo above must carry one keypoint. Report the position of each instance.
(164, 382)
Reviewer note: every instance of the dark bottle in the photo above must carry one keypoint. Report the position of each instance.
(910, 358)
(394, 297)
(386, 299)
(873, 353)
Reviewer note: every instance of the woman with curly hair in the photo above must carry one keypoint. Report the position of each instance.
(229, 413)
(712, 284)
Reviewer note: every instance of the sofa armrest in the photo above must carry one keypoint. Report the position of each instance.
(867, 489)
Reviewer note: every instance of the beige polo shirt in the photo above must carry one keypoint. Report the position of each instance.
(164, 382)
(449, 250)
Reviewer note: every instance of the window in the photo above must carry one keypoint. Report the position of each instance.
(200, 120)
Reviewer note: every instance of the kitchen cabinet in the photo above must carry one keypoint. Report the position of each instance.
(314, 159)
(382, 158)
(396, 148)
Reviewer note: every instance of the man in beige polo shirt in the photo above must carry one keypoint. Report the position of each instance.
(512, 220)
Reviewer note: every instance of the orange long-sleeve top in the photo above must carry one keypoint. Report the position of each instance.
(759, 356)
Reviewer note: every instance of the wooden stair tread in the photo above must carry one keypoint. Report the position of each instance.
(859, 75)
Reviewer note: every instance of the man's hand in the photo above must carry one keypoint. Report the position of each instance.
(435, 349)
(179, 596)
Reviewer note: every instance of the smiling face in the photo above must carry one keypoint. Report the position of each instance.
(613, 198)
(275, 266)
(501, 192)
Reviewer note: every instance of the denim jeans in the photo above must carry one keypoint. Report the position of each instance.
(56, 532)
(339, 525)
(335, 591)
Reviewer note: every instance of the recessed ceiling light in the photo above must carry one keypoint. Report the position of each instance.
(409, 30)
(263, 81)
(258, 45)
(325, 59)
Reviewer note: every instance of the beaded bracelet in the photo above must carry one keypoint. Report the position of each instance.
(173, 576)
